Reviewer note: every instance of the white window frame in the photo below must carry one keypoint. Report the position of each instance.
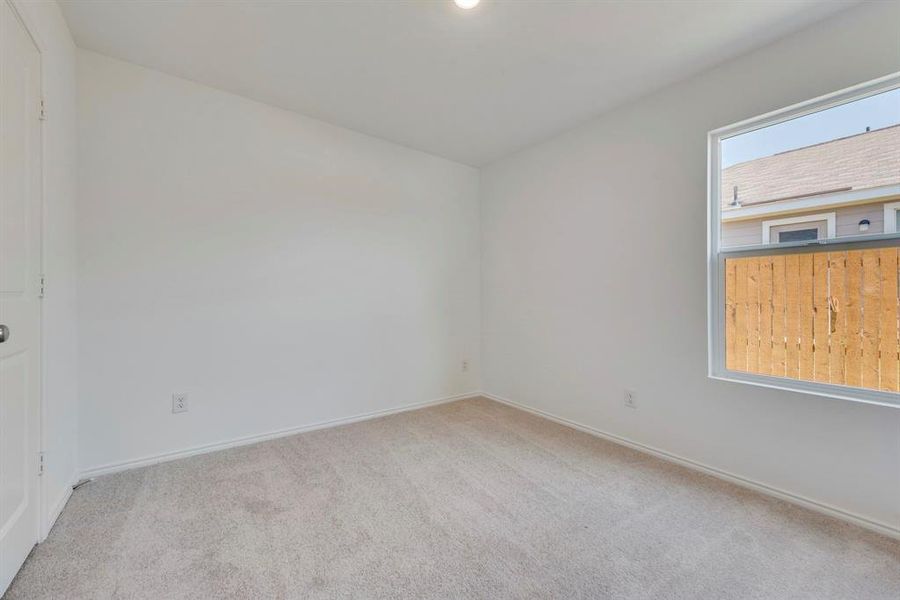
(890, 217)
(829, 218)
(716, 254)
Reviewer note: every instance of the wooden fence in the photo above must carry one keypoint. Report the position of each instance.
(830, 317)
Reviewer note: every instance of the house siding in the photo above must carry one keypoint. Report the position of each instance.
(749, 232)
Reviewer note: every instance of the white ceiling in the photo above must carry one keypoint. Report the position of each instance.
(471, 86)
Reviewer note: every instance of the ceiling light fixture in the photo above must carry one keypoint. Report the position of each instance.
(467, 4)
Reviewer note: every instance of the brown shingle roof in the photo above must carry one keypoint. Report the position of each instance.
(861, 161)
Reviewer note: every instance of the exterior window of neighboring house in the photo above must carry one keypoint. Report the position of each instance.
(799, 229)
(804, 247)
(799, 235)
(892, 217)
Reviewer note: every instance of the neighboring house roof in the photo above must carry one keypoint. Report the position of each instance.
(865, 160)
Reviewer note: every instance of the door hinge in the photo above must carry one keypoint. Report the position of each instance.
(40, 463)
(43, 115)
(43, 287)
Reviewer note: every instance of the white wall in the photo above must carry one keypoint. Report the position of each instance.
(285, 272)
(280, 270)
(59, 377)
(594, 280)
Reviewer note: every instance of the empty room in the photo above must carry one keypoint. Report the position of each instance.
(450, 299)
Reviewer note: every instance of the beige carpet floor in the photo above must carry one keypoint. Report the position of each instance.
(466, 500)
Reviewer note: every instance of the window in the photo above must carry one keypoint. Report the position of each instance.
(798, 235)
(797, 229)
(892, 217)
(804, 247)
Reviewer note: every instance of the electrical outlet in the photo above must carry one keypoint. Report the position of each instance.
(179, 403)
(630, 402)
(465, 366)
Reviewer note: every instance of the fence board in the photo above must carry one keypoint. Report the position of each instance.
(730, 309)
(740, 319)
(807, 364)
(778, 316)
(853, 356)
(753, 340)
(792, 319)
(838, 301)
(821, 317)
(765, 315)
(871, 305)
(888, 334)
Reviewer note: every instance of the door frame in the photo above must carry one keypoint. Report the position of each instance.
(43, 524)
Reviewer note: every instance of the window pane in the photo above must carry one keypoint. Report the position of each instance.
(814, 230)
(798, 235)
(828, 317)
(845, 159)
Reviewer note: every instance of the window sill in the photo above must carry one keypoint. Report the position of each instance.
(825, 390)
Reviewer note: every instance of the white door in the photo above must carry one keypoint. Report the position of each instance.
(20, 248)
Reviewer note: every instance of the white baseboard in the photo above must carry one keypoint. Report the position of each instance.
(821, 507)
(252, 439)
